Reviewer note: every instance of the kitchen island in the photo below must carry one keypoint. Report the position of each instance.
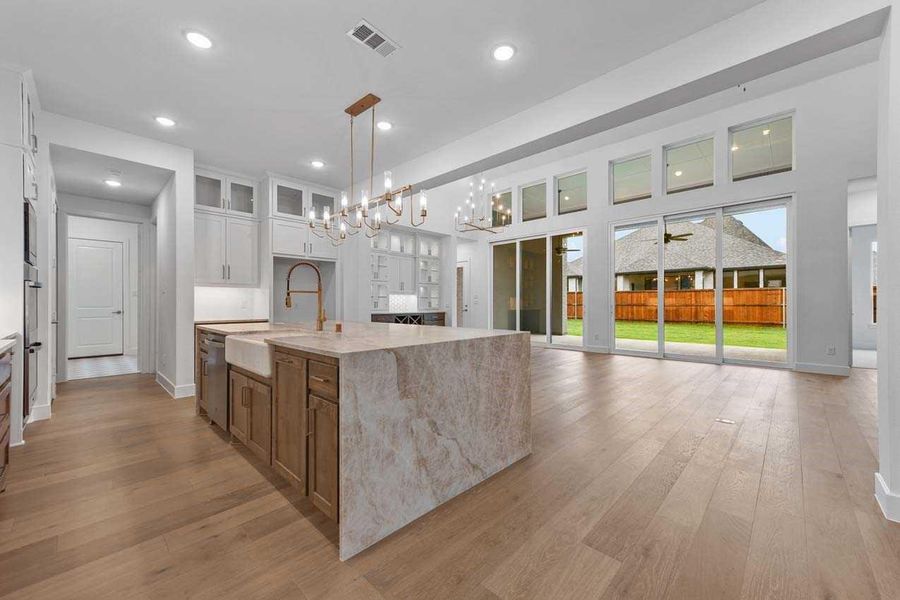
(382, 423)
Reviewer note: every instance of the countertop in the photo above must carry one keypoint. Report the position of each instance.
(257, 327)
(7, 344)
(365, 337)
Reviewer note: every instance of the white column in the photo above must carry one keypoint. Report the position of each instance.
(887, 480)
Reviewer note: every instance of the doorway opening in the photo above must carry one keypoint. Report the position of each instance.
(103, 307)
(862, 219)
(709, 286)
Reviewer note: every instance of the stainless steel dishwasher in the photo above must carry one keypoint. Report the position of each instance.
(216, 389)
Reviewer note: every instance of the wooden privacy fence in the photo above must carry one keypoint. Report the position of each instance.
(575, 305)
(745, 306)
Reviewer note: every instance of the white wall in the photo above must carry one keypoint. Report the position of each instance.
(862, 202)
(88, 228)
(833, 146)
(174, 214)
(219, 303)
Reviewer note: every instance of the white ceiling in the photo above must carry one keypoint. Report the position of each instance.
(83, 173)
(270, 94)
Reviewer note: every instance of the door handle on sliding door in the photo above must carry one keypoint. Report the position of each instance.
(117, 312)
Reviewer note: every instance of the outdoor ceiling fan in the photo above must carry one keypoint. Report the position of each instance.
(560, 250)
(675, 237)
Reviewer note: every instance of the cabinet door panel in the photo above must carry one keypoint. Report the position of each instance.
(204, 379)
(243, 241)
(289, 418)
(259, 429)
(289, 238)
(241, 197)
(323, 455)
(209, 192)
(239, 402)
(288, 200)
(320, 248)
(209, 248)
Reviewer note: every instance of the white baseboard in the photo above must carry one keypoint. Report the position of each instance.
(887, 500)
(819, 369)
(39, 412)
(184, 391)
(164, 382)
(176, 391)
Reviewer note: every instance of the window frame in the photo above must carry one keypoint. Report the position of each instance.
(512, 214)
(612, 180)
(790, 114)
(520, 213)
(687, 142)
(556, 178)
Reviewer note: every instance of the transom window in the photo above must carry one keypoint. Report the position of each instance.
(534, 201)
(690, 166)
(571, 193)
(631, 179)
(762, 149)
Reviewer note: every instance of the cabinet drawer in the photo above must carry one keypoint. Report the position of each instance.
(289, 359)
(323, 379)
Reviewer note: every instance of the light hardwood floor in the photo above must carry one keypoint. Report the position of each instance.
(634, 490)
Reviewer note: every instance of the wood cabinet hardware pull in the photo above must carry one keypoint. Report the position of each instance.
(310, 421)
(319, 379)
(245, 401)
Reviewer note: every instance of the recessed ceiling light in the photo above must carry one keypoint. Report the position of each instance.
(677, 173)
(503, 52)
(385, 125)
(766, 132)
(317, 164)
(198, 39)
(165, 121)
(112, 183)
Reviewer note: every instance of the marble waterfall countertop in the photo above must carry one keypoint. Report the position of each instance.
(425, 413)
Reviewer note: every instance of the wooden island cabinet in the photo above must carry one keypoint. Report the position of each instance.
(291, 421)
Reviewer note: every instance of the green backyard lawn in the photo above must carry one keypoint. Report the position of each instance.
(754, 336)
(574, 327)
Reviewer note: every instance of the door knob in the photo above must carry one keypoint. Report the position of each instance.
(117, 312)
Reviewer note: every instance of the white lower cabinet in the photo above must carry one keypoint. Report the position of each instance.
(225, 250)
(293, 238)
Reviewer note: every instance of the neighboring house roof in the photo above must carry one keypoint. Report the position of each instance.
(637, 251)
(575, 268)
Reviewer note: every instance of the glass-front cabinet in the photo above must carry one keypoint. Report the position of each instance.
(429, 270)
(288, 200)
(291, 199)
(220, 192)
(429, 297)
(405, 270)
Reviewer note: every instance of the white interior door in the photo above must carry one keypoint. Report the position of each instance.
(95, 296)
(463, 293)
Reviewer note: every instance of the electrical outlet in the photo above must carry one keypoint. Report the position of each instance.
(830, 350)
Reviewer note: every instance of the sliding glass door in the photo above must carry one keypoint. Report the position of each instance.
(709, 286)
(636, 296)
(538, 287)
(689, 297)
(755, 274)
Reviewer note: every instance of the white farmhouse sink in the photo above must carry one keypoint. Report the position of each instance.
(251, 352)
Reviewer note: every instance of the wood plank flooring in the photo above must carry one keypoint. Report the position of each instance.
(634, 490)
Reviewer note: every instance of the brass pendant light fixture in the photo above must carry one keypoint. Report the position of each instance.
(483, 210)
(370, 213)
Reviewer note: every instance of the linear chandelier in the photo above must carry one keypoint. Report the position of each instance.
(483, 210)
(370, 213)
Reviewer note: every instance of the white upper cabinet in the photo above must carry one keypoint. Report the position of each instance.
(401, 276)
(225, 250)
(209, 249)
(287, 199)
(289, 238)
(292, 238)
(16, 112)
(320, 200)
(218, 192)
(241, 251)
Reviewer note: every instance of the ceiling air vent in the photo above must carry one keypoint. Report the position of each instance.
(365, 33)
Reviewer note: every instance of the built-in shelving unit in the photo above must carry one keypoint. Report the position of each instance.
(405, 272)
